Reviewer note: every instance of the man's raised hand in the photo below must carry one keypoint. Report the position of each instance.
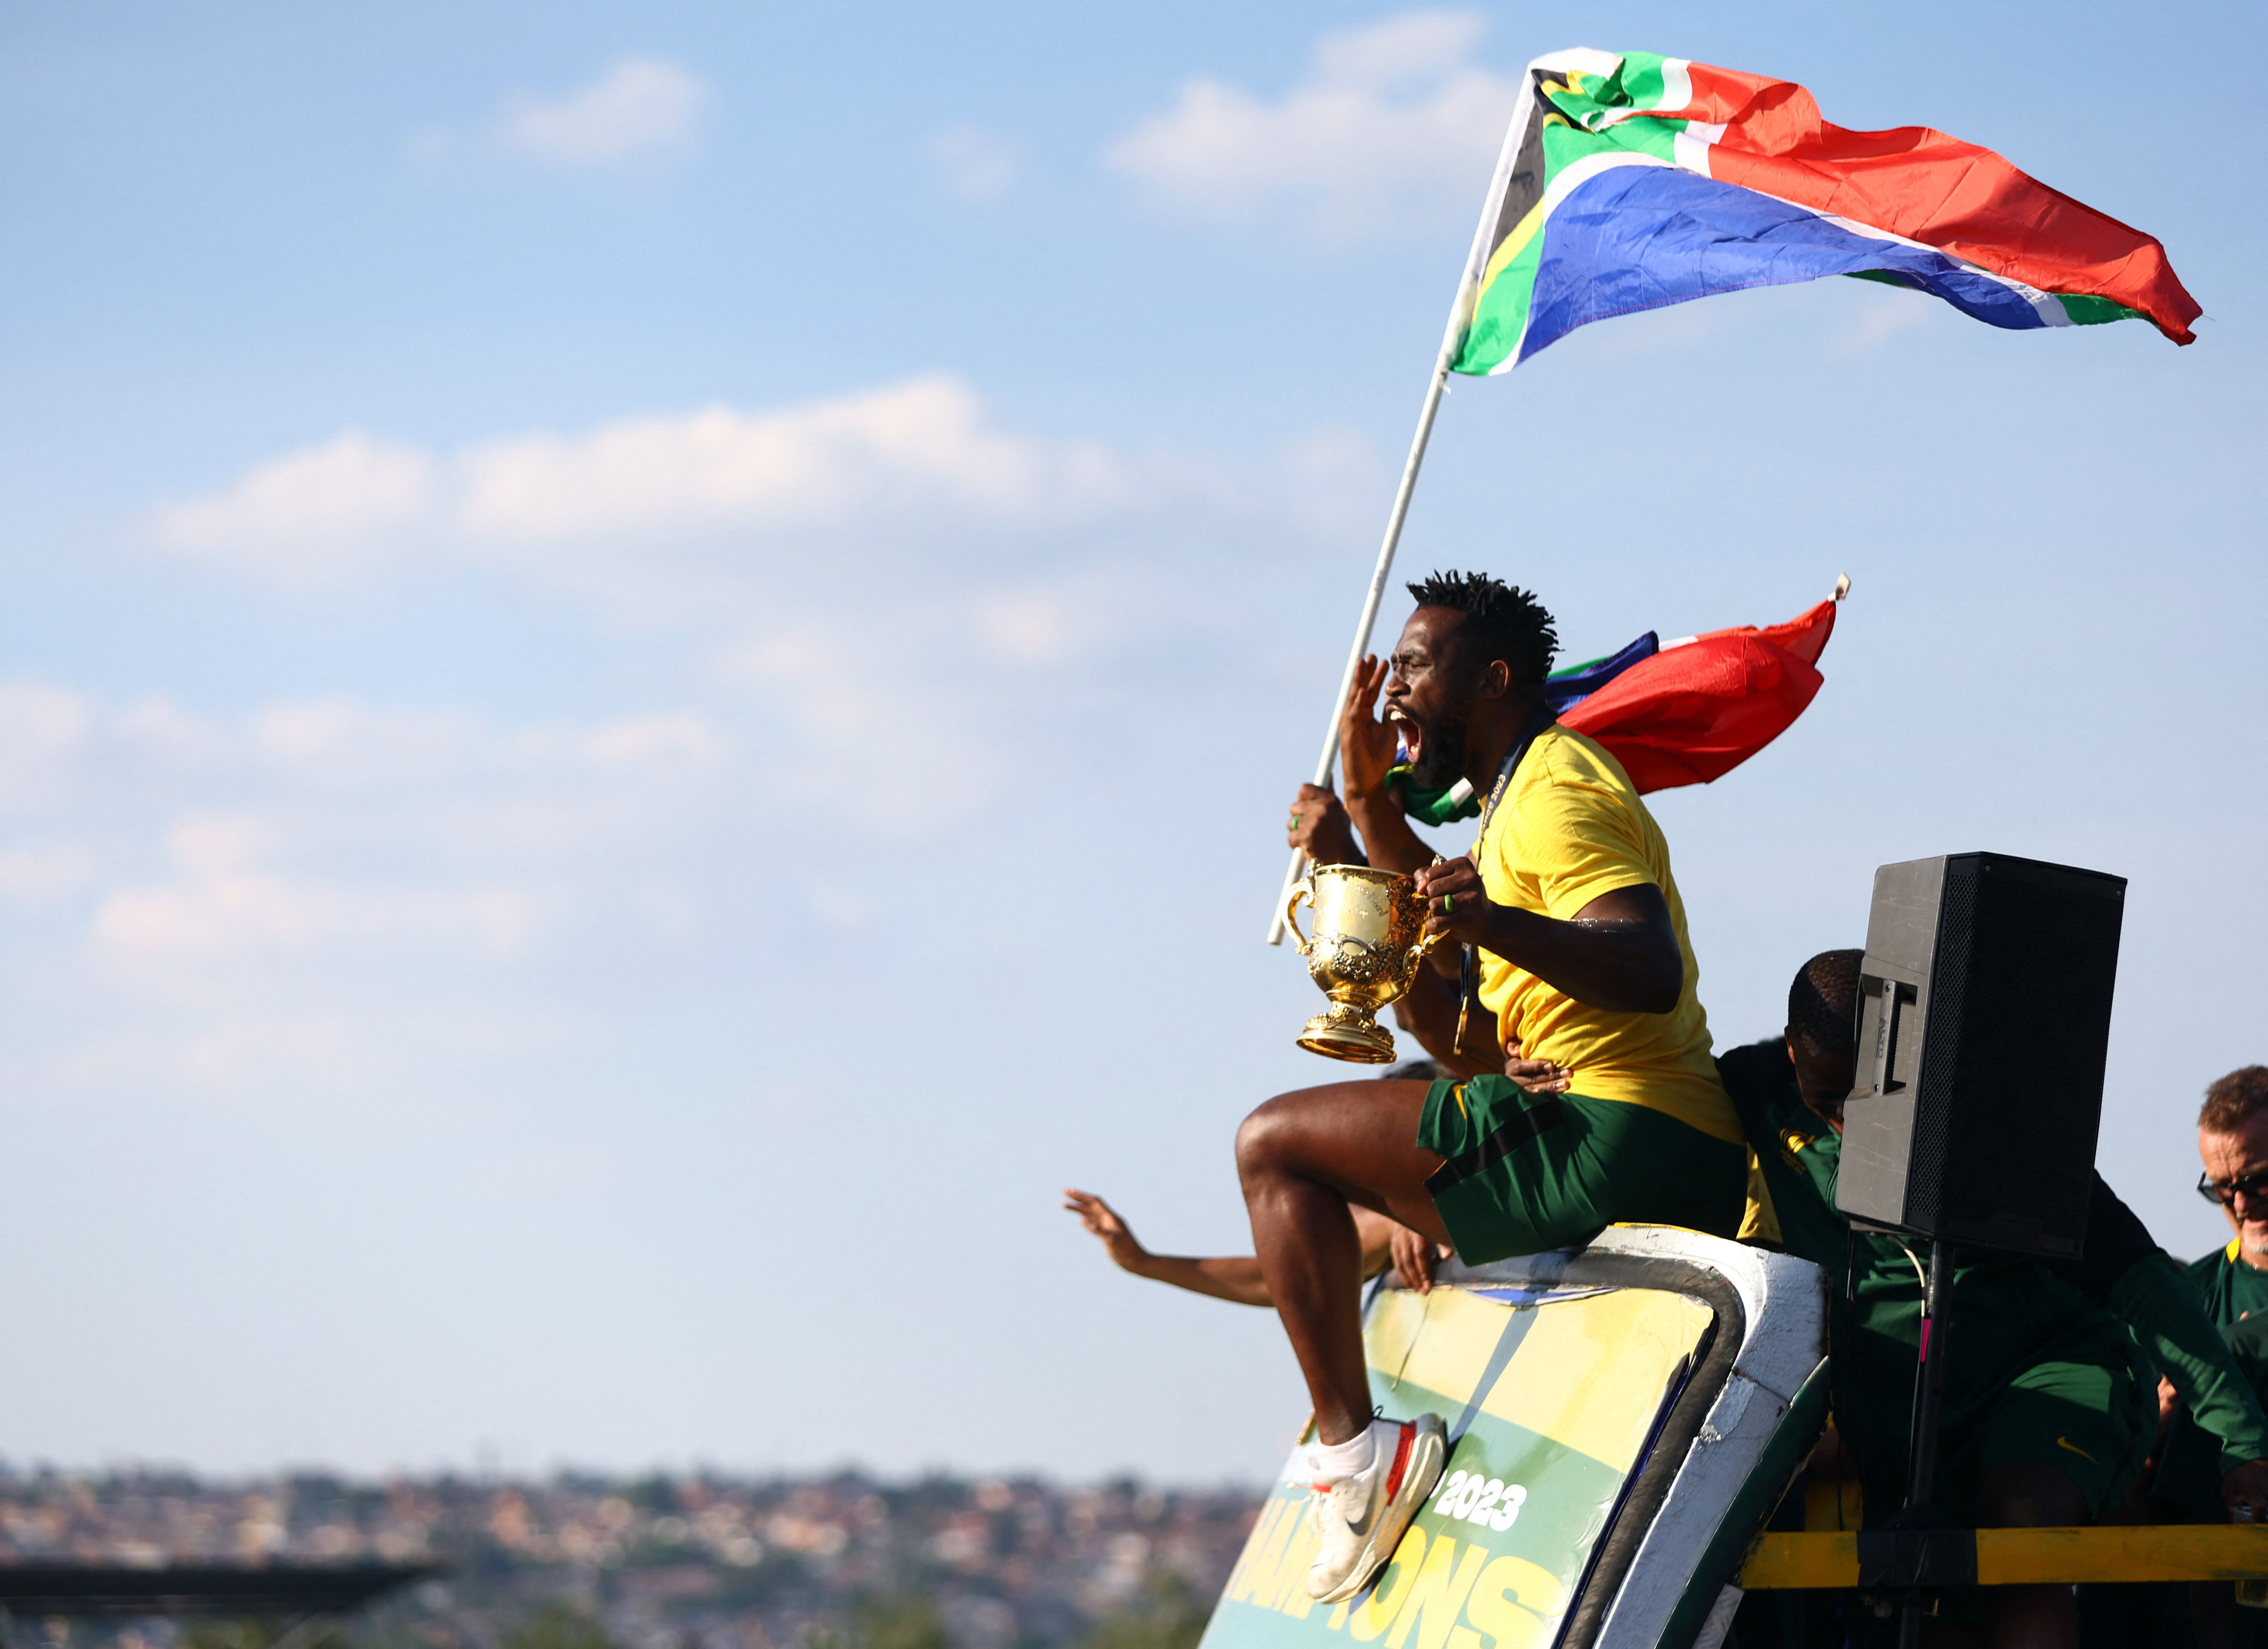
(1367, 745)
(1102, 1219)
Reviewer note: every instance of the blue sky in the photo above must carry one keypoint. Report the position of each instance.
(652, 657)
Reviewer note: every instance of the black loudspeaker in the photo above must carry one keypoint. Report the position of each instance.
(1984, 1019)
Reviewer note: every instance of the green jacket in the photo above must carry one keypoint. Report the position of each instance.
(2194, 1459)
(2233, 1291)
(2125, 1297)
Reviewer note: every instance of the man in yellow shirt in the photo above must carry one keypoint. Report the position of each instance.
(1583, 962)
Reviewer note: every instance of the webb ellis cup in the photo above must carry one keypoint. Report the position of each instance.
(1370, 941)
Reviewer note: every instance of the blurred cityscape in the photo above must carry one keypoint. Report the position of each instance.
(578, 1562)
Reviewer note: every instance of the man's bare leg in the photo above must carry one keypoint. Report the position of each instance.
(2023, 1494)
(1303, 1158)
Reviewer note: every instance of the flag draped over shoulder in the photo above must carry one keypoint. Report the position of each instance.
(1694, 710)
(1682, 714)
(1637, 181)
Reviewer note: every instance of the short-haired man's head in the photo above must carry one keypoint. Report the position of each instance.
(2234, 1101)
(1822, 1005)
(2233, 1143)
(1822, 1042)
(1503, 621)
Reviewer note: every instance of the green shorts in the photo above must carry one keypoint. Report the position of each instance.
(2093, 1421)
(2092, 1417)
(1526, 1174)
(2089, 1414)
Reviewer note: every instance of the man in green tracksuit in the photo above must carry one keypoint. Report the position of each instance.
(2191, 1459)
(2051, 1370)
(2233, 1140)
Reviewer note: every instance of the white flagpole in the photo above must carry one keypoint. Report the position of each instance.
(1452, 339)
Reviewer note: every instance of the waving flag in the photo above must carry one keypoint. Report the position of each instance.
(1633, 181)
(1682, 714)
(1696, 709)
(1637, 181)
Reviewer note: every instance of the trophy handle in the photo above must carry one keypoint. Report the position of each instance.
(1415, 958)
(1304, 889)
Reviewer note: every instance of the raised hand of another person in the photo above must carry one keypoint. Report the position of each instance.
(1456, 904)
(1414, 1255)
(1319, 827)
(1102, 1219)
(1535, 1075)
(1234, 1276)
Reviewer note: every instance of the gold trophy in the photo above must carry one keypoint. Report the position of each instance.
(1370, 941)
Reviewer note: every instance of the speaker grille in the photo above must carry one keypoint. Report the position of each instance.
(2026, 1088)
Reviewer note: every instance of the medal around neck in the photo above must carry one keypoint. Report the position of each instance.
(1370, 940)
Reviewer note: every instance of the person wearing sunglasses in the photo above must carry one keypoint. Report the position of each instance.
(2233, 1139)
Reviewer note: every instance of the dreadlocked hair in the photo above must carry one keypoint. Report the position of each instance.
(1823, 1004)
(1509, 621)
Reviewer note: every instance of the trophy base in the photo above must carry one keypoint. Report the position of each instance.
(1349, 1033)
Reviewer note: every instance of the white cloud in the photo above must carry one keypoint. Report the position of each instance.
(224, 913)
(309, 515)
(330, 880)
(325, 900)
(1060, 619)
(974, 164)
(925, 445)
(39, 722)
(911, 723)
(923, 454)
(641, 109)
(1392, 127)
(43, 734)
(628, 745)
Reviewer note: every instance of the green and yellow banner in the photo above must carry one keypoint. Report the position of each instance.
(1550, 1397)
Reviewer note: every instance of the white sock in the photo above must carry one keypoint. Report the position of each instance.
(1337, 1461)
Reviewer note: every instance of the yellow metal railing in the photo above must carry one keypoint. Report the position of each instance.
(2033, 1556)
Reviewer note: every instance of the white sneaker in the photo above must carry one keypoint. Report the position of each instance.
(1364, 1516)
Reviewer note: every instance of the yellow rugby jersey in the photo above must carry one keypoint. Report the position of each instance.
(1569, 829)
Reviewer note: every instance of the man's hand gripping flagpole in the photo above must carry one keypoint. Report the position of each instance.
(1452, 338)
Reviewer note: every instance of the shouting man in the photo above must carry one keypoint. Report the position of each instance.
(1583, 961)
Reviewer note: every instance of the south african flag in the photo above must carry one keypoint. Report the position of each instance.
(1632, 181)
(1676, 712)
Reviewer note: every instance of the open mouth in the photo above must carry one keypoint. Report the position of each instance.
(1412, 736)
